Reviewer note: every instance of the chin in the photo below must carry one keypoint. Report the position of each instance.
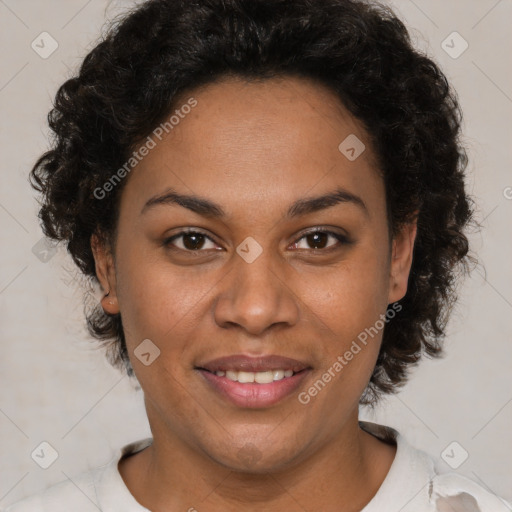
(257, 459)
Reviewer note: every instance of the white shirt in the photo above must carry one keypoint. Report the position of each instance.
(411, 485)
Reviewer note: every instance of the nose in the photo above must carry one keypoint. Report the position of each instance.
(256, 296)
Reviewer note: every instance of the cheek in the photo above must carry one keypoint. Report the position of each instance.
(351, 297)
(350, 301)
(164, 305)
(156, 300)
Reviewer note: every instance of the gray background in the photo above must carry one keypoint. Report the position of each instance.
(56, 387)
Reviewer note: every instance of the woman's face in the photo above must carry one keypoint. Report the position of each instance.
(249, 285)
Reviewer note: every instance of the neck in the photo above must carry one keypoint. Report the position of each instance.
(343, 475)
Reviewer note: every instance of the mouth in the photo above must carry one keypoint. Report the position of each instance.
(253, 382)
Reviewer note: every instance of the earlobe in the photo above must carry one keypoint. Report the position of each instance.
(105, 272)
(401, 261)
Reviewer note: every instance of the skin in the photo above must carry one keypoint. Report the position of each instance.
(254, 149)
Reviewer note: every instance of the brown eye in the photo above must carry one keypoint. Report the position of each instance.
(319, 239)
(192, 241)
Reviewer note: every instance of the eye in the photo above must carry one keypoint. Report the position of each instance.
(319, 239)
(192, 241)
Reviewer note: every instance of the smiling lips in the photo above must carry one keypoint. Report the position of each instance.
(254, 382)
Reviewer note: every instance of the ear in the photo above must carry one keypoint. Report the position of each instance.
(105, 272)
(401, 261)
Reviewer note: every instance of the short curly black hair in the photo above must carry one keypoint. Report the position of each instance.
(360, 50)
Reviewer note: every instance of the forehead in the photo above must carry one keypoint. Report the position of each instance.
(281, 119)
(272, 140)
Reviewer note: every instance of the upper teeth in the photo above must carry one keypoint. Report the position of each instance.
(259, 377)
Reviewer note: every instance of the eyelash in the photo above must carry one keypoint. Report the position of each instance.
(342, 239)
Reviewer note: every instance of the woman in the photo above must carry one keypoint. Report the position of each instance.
(271, 196)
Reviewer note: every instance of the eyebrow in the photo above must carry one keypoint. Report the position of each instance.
(208, 208)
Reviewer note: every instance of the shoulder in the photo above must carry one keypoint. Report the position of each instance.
(451, 491)
(101, 488)
(415, 484)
